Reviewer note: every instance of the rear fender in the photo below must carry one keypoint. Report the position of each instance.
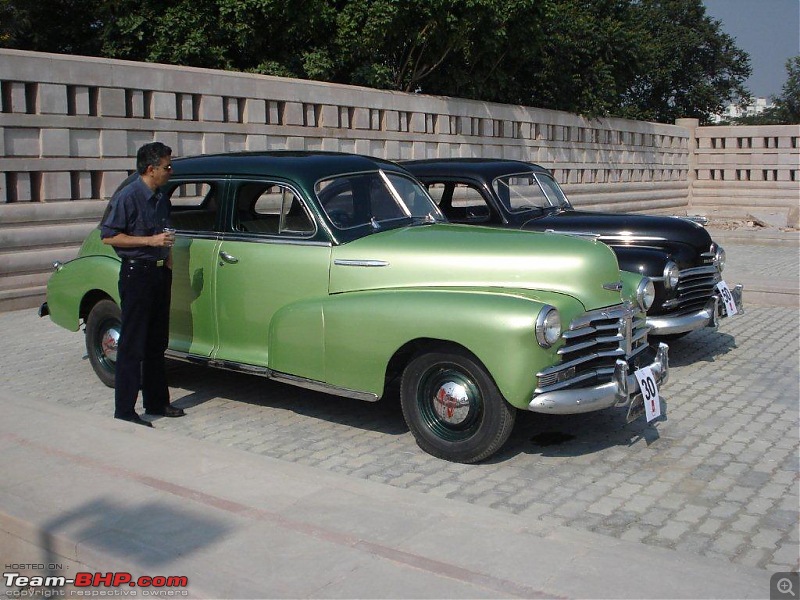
(73, 281)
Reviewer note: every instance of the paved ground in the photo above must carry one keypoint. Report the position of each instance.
(716, 477)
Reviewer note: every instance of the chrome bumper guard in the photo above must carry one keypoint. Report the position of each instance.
(619, 392)
(705, 317)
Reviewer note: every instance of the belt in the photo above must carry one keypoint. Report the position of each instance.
(144, 262)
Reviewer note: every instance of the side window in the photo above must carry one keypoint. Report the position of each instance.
(195, 206)
(271, 209)
(460, 203)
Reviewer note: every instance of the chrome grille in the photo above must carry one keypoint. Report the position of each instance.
(592, 345)
(694, 290)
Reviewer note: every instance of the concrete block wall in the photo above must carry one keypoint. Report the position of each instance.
(741, 170)
(70, 127)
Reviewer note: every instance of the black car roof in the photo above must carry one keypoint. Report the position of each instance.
(308, 166)
(485, 168)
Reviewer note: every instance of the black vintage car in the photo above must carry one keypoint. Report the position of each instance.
(677, 253)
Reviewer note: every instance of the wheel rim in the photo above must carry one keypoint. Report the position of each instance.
(450, 402)
(107, 343)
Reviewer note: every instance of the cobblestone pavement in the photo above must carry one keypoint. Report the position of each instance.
(717, 475)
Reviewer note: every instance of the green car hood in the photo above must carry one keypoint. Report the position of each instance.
(462, 256)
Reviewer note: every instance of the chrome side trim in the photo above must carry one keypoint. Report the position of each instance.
(631, 238)
(619, 392)
(584, 234)
(614, 286)
(310, 384)
(346, 262)
(319, 386)
(699, 219)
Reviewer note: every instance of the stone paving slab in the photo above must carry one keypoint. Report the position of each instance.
(715, 477)
(111, 504)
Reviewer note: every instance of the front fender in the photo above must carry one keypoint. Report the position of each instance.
(645, 261)
(351, 337)
(68, 285)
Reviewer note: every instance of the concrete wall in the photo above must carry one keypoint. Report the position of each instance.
(746, 170)
(70, 127)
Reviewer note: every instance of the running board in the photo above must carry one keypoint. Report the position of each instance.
(310, 384)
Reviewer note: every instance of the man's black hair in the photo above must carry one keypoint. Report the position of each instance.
(151, 154)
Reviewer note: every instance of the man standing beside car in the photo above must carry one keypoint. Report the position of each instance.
(137, 226)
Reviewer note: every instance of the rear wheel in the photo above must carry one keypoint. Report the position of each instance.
(102, 337)
(453, 407)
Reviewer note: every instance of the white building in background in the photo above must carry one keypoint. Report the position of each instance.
(736, 111)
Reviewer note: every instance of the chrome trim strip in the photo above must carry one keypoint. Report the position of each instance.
(319, 386)
(619, 392)
(699, 219)
(310, 384)
(706, 270)
(346, 262)
(615, 286)
(586, 234)
(632, 238)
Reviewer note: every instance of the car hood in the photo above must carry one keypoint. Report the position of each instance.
(628, 229)
(465, 256)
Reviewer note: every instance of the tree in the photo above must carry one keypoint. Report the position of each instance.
(787, 105)
(689, 67)
(643, 59)
(62, 26)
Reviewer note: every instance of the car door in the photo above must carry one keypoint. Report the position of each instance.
(196, 216)
(268, 260)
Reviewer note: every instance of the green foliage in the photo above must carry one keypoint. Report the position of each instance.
(644, 59)
(787, 105)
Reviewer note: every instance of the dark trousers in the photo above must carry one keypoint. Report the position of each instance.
(144, 289)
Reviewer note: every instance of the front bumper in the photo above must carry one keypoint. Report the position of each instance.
(708, 316)
(619, 392)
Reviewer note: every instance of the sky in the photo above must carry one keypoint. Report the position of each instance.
(768, 30)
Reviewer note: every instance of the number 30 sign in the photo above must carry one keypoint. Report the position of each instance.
(649, 389)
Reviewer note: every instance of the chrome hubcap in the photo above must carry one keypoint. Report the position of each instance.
(109, 343)
(452, 403)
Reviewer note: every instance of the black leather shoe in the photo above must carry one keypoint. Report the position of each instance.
(136, 419)
(167, 411)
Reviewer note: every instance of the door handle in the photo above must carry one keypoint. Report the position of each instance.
(228, 258)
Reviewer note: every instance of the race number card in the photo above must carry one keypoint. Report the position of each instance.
(727, 298)
(647, 384)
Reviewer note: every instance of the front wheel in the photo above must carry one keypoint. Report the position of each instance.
(453, 408)
(102, 337)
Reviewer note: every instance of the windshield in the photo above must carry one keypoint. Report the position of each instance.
(528, 191)
(378, 200)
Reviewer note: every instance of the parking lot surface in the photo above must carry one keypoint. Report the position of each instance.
(715, 476)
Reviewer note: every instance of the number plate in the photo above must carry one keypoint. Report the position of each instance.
(649, 390)
(727, 298)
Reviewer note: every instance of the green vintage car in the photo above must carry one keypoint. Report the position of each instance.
(337, 272)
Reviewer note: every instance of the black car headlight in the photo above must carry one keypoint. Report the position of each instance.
(719, 257)
(671, 275)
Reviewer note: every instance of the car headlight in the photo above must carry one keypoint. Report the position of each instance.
(645, 293)
(548, 326)
(671, 275)
(719, 257)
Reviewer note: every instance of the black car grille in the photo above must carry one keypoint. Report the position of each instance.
(695, 288)
(592, 345)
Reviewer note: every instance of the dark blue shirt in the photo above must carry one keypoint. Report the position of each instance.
(137, 210)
